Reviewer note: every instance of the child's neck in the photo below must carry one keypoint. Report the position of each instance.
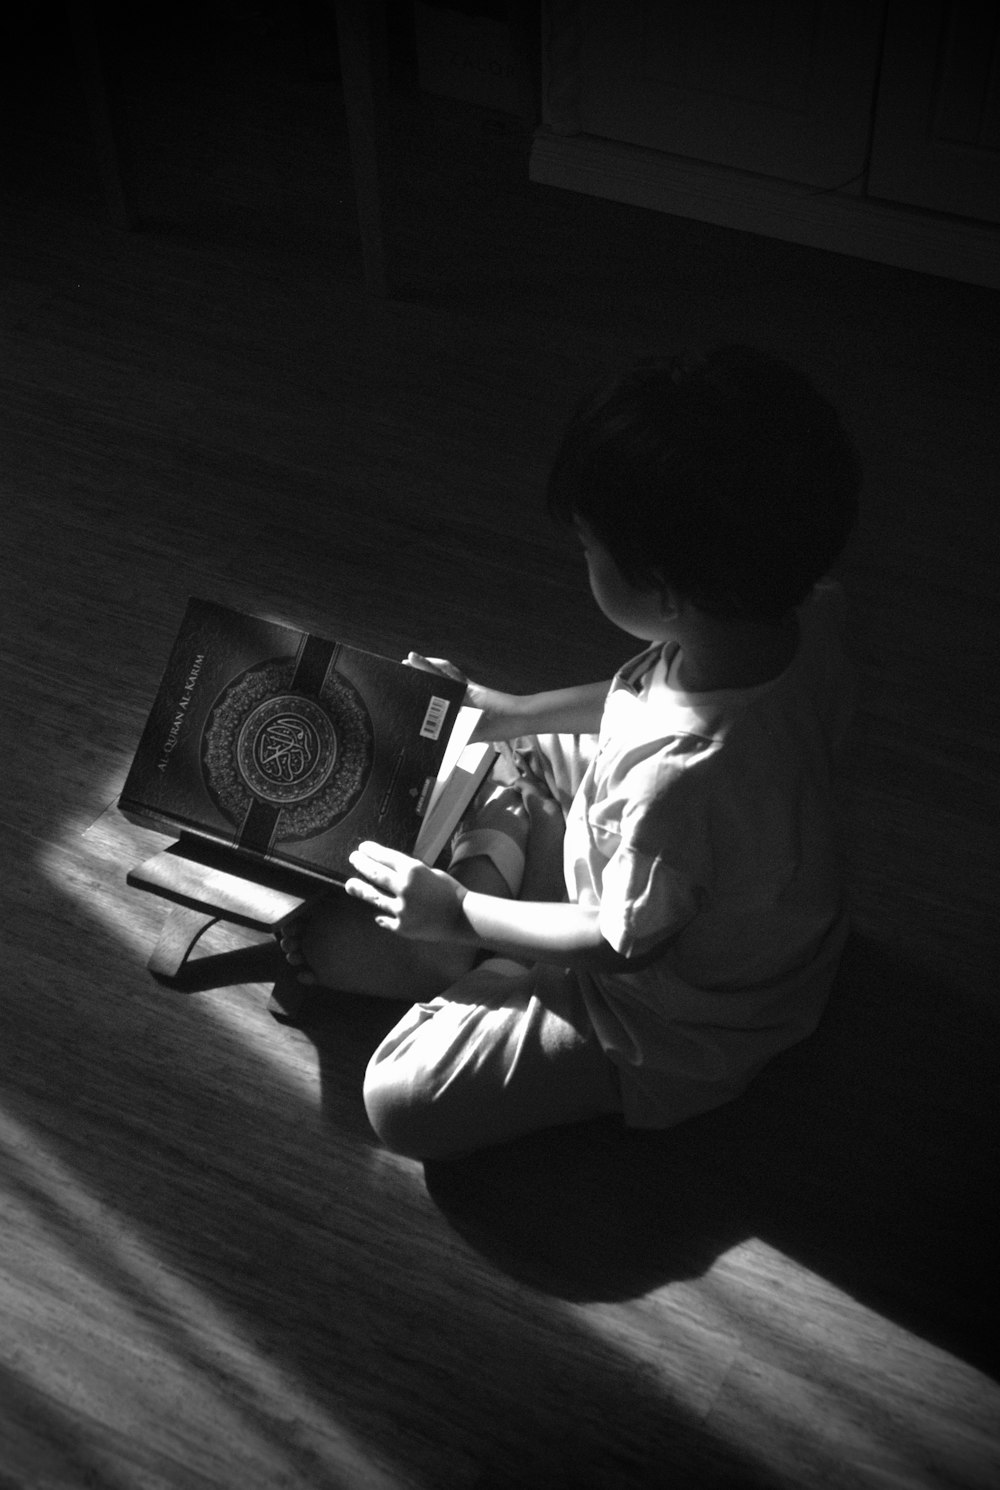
(717, 653)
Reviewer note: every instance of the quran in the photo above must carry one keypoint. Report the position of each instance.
(286, 749)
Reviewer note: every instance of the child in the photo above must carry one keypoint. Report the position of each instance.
(646, 906)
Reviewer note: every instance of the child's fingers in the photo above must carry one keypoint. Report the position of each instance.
(358, 889)
(377, 860)
(439, 665)
(530, 778)
(379, 898)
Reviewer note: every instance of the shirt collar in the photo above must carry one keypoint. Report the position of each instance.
(631, 675)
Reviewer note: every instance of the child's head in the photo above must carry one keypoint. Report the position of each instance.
(727, 478)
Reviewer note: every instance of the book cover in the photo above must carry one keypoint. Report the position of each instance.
(288, 748)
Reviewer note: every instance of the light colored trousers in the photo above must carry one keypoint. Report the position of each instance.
(508, 1049)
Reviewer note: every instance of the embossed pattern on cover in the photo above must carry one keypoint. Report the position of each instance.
(287, 747)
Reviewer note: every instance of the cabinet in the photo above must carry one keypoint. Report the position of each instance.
(781, 87)
(870, 127)
(936, 135)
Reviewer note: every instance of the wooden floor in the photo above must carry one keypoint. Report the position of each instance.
(210, 1273)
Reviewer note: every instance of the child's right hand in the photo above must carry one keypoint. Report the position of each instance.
(497, 708)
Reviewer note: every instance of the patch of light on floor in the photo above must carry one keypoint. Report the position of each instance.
(288, 1052)
(190, 1371)
(831, 1381)
(94, 880)
(90, 867)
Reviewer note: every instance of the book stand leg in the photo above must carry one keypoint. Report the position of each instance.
(202, 893)
(179, 934)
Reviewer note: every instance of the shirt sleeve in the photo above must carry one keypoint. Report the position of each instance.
(656, 878)
(645, 901)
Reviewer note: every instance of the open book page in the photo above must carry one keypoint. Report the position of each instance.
(463, 769)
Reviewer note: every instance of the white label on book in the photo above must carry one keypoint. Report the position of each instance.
(437, 711)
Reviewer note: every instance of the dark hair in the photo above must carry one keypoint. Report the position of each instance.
(727, 477)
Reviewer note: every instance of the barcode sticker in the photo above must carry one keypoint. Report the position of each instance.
(437, 711)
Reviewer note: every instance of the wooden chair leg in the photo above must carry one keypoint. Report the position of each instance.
(361, 32)
(86, 41)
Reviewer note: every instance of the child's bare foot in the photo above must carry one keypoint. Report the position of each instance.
(290, 942)
(337, 945)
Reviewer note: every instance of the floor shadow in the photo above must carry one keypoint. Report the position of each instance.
(235, 1231)
(867, 1154)
(254, 963)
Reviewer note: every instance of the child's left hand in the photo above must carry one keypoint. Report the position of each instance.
(408, 897)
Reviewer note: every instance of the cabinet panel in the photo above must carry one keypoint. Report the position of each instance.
(937, 125)
(780, 87)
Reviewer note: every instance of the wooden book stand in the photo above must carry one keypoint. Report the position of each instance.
(206, 884)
